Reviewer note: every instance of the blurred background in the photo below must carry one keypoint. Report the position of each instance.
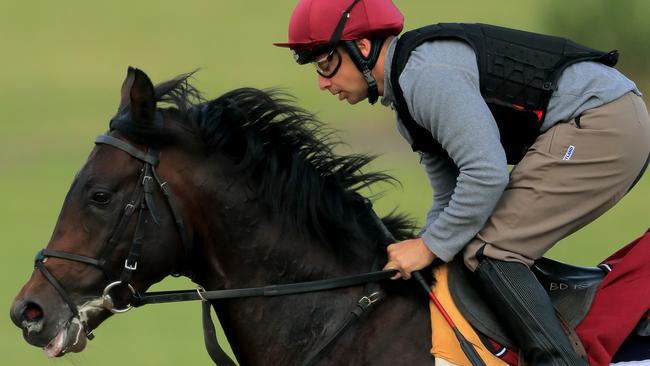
(61, 67)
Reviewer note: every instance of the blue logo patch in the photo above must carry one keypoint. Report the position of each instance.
(569, 152)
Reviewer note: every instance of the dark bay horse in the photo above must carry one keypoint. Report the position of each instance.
(259, 199)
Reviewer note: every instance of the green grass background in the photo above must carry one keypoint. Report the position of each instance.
(61, 67)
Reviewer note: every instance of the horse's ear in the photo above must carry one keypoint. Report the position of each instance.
(138, 94)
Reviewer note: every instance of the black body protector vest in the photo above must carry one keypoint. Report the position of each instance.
(518, 73)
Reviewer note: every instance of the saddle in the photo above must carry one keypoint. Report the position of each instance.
(571, 288)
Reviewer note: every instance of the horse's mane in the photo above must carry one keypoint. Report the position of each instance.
(285, 152)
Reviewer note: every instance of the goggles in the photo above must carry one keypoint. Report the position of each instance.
(328, 65)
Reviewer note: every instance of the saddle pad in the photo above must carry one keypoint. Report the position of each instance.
(623, 298)
(444, 344)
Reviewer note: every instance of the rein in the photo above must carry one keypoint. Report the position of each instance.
(265, 291)
(142, 200)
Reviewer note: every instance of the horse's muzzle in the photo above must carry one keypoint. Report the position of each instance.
(29, 316)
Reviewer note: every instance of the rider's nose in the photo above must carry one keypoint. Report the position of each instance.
(323, 83)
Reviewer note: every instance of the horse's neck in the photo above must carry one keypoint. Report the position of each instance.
(239, 244)
(285, 330)
(242, 244)
(281, 330)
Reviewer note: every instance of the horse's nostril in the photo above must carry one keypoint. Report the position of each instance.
(32, 312)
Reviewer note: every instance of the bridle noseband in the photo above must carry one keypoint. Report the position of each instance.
(142, 200)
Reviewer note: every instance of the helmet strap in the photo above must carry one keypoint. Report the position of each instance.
(366, 64)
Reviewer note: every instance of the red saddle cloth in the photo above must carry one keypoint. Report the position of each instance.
(623, 298)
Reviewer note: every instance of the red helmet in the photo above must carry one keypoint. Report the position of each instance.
(314, 22)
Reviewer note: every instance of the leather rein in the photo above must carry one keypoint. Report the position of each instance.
(142, 201)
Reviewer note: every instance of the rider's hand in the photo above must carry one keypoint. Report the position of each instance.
(408, 256)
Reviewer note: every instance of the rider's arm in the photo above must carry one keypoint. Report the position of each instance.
(442, 174)
(441, 88)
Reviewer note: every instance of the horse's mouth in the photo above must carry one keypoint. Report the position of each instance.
(71, 338)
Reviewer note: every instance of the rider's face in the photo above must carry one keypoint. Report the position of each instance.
(347, 82)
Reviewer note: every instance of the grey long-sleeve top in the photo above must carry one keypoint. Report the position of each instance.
(441, 87)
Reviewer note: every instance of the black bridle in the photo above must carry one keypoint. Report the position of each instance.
(142, 201)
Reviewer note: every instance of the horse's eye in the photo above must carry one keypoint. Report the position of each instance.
(101, 198)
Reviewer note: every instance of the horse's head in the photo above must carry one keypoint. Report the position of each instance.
(259, 197)
(116, 235)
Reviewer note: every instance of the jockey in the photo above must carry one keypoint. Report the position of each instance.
(473, 99)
